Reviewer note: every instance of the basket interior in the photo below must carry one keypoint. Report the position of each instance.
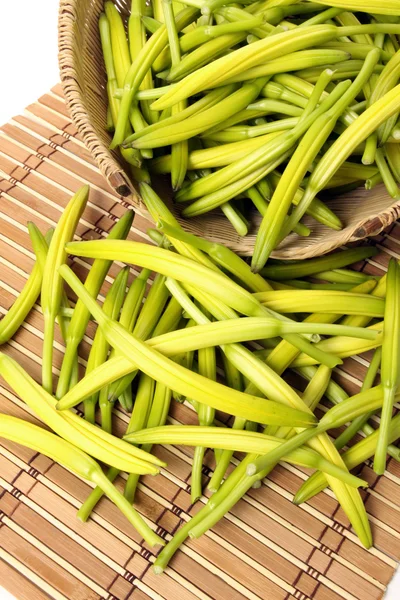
(364, 213)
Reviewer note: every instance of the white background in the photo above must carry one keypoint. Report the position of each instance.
(28, 61)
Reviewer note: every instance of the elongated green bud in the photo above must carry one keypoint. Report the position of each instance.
(390, 366)
(52, 283)
(81, 315)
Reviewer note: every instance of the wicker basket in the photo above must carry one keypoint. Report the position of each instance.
(83, 78)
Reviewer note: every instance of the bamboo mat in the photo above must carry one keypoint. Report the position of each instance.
(266, 548)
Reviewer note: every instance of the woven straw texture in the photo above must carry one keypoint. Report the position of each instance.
(265, 549)
(83, 78)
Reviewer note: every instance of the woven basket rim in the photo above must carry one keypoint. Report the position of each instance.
(116, 176)
(123, 185)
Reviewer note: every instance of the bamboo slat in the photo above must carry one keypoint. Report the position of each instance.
(265, 548)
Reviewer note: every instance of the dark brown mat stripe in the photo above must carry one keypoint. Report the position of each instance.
(265, 548)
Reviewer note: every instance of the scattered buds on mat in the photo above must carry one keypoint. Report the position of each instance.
(80, 463)
(197, 326)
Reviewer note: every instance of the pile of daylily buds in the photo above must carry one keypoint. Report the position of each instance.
(263, 104)
(215, 335)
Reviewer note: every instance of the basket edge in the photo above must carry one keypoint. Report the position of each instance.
(108, 165)
(366, 229)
